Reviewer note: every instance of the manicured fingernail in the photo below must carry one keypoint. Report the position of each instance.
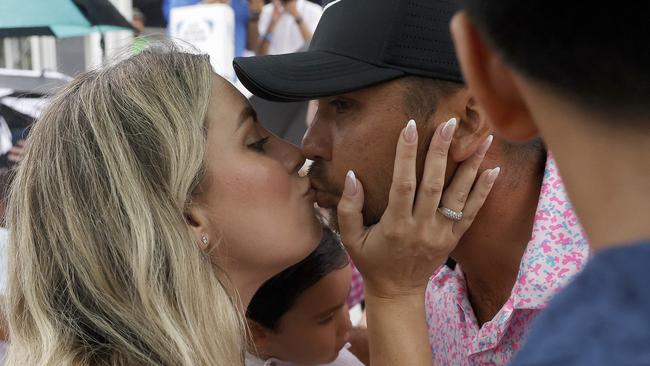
(350, 188)
(484, 146)
(411, 132)
(448, 130)
(492, 175)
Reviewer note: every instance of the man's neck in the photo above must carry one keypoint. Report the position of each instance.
(490, 252)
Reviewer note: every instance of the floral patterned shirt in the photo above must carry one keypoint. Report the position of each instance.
(556, 252)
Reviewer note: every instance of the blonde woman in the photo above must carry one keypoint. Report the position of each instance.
(151, 205)
(149, 208)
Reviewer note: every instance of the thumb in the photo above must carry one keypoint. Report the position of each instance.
(349, 213)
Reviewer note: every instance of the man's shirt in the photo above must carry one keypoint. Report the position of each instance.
(602, 318)
(554, 255)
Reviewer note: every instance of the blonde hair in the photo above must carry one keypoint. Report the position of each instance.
(103, 267)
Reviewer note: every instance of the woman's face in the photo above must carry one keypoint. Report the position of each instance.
(257, 213)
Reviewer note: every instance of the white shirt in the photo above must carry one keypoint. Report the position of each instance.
(346, 358)
(286, 37)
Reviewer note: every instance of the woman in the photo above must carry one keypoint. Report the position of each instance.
(151, 205)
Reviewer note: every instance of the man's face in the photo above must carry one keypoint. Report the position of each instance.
(358, 131)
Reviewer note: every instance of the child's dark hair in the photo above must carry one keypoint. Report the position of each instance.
(278, 294)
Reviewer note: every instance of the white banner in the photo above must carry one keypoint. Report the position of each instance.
(211, 29)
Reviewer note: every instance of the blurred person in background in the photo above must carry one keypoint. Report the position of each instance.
(286, 25)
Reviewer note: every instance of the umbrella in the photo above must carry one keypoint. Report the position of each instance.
(59, 18)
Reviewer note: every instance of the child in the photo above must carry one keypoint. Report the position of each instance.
(300, 316)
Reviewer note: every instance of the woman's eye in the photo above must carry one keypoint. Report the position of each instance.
(341, 106)
(259, 144)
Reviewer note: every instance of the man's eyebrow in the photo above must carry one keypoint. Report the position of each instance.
(246, 113)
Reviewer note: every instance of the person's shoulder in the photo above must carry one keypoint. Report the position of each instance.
(602, 318)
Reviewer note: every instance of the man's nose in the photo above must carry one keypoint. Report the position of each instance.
(317, 142)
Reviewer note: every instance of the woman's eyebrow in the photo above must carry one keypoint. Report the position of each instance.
(246, 113)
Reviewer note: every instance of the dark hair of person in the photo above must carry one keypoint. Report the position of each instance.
(422, 94)
(421, 98)
(278, 294)
(595, 52)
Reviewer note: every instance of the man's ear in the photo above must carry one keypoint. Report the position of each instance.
(473, 127)
(491, 82)
(197, 221)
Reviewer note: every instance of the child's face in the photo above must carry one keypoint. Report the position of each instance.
(315, 329)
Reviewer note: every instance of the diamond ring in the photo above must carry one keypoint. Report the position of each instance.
(451, 214)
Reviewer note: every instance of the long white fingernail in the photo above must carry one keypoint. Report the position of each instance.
(492, 175)
(448, 130)
(484, 146)
(350, 187)
(411, 132)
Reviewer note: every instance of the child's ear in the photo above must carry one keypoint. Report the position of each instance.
(260, 337)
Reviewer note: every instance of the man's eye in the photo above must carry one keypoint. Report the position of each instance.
(341, 106)
(259, 144)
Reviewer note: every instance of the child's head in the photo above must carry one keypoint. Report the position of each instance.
(300, 315)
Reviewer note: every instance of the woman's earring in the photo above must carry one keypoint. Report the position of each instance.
(204, 241)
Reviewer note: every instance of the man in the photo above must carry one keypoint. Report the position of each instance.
(373, 71)
(580, 76)
(286, 25)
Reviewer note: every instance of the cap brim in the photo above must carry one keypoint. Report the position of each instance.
(307, 75)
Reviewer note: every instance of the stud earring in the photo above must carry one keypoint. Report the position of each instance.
(204, 240)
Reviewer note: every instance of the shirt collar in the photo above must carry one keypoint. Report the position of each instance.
(558, 247)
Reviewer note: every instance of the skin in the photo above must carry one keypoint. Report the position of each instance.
(359, 131)
(316, 327)
(396, 254)
(593, 152)
(274, 225)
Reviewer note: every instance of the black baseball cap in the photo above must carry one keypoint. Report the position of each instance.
(357, 44)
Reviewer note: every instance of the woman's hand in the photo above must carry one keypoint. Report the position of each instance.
(398, 255)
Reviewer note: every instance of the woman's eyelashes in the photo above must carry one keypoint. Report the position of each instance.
(259, 144)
